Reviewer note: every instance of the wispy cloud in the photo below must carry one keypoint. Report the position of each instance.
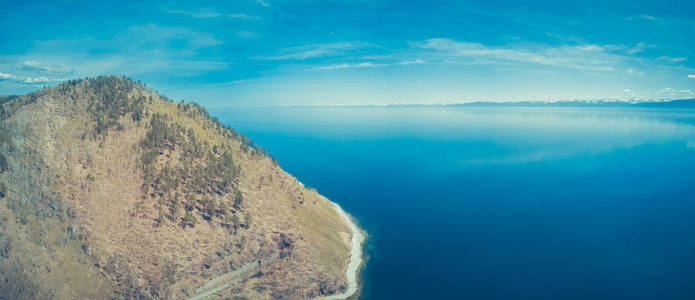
(672, 59)
(691, 75)
(40, 79)
(136, 50)
(241, 16)
(210, 14)
(367, 65)
(148, 35)
(667, 91)
(263, 3)
(34, 65)
(642, 17)
(5, 76)
(348, 65)
(412, 62)
(633, 71)
(582, 57)
(637, 48)
(315, 50)
(200, 14)
(29, 80)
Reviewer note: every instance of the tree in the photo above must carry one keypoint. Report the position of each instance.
(3, 163)
(160, 215)
(209, 207)
(174, 207)
(222, 209)
(235, 222)
(248, 220)
(188, 220)
(238, 199)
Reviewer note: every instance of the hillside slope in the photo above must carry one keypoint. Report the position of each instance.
(108, 190)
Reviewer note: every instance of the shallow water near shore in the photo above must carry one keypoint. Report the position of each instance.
(501, 203)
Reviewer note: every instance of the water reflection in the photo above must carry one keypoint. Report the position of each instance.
(527, 203)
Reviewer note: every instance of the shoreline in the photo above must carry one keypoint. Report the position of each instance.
(356, 257)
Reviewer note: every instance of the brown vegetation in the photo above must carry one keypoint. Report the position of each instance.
(108, 190)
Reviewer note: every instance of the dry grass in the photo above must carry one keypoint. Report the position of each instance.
(124, 251)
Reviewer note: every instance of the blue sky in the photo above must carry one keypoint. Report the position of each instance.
(267, 52)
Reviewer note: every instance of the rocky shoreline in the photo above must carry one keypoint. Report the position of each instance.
(356, 259)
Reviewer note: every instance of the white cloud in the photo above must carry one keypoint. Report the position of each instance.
(34, 65)
(210, 14)
(672, 59)
(648, 17)
(200, 14)
(28, 80)
(366, 65)
(241, 17)
(263, 3)
(315, 50)
(627, 91)
(643, 17)
(691, 75)
(632, 71)
(349, 65)
(142, 49)
(583, 57)
(639, 47)
(412, 62)
(40, 79)
(4, 76)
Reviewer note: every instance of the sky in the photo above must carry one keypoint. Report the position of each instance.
(355, 52)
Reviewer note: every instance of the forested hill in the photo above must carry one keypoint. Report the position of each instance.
(109, 190)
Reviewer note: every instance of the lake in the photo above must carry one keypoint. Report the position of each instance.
(501, 202)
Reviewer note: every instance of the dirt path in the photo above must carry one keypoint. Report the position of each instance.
(246, 271)
(230, 279)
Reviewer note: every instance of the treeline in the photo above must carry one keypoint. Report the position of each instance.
(10, 104)
(202, 171)
(201, 181)
(195, 110)
(111, 101)
(203, 176)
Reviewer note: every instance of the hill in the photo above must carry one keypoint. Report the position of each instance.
(109, 190)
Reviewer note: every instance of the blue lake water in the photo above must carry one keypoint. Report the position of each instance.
(502, 203)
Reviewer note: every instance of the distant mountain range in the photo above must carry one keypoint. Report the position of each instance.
(681, 103)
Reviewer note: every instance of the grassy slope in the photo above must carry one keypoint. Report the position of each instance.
(114, 241)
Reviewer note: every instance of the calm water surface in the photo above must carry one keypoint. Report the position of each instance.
(502, 203)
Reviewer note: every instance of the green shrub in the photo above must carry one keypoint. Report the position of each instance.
(149, 156)
(238, 199)
(3, 164)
